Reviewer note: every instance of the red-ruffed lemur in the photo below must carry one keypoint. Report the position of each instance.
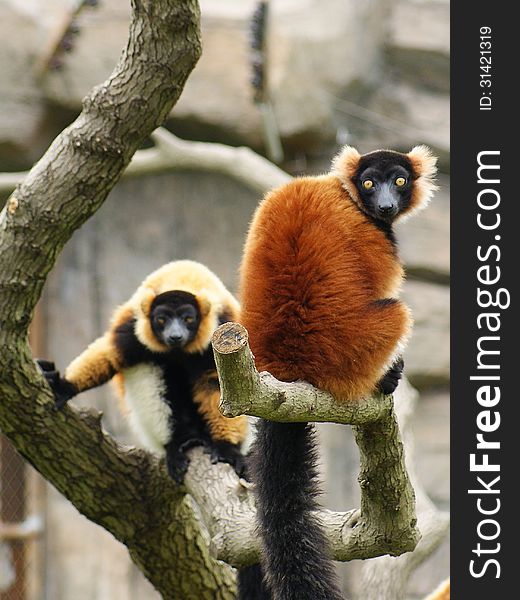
(158, 351)
(319, 283)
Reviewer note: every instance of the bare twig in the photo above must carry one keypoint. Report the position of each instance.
(243, 164)
(171, 153)
(30, 528)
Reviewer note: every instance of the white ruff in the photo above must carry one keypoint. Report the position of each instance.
(149, 415)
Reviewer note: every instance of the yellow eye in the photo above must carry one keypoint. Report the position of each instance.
(368, 184)
(160, 320)
(400, 181)
(189, 320)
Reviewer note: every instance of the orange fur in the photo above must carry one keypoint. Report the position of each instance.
(101, 362)
(214, 299)
(98, 363)
(118, 385)
(319, 280)
(206, 395)
(95, 365)
(188, 276)
(170, 393)
(442, 592)
(313, 271)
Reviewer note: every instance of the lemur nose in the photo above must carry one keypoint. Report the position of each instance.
(387, 208)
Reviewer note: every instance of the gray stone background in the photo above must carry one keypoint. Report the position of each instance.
(373, 73)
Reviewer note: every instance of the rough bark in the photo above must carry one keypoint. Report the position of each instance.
(386, 522)
(85, 161)
(124, 491)
(386, 577)
(172, 153)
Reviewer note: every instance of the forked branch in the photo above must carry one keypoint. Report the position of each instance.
(386, 522)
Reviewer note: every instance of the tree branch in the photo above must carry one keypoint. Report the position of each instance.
(124, 491)
(245, 391)
(386, 578)
(74, 177)
(243, 164)
(386, 523)
(172, 153)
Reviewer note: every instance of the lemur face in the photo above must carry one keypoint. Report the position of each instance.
(384, 181)
(175, 318)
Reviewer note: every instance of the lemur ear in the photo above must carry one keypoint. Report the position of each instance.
(345, 163)
(143, 300)
(204, 305)
(148, 295)
(344, 166)
(424, 165)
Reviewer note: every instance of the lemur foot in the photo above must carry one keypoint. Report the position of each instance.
(226, 452)
(177, 462)
(390, 380)
(177, 467)
(63, 390)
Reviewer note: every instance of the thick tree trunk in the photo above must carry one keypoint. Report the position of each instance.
(125, 492)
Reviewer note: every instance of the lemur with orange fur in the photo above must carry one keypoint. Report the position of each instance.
(158, 351)
(319, 283)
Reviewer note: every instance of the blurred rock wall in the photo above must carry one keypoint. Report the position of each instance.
(369, 71)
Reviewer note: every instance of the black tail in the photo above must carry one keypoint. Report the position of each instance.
(251, 585)
(295, 561)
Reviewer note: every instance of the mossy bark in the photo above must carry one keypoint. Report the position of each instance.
(126, 492)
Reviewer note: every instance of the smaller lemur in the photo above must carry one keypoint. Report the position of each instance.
(158, 352)
(319, 289)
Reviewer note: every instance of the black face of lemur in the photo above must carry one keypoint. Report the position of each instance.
(384, 181)
(175, 318)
